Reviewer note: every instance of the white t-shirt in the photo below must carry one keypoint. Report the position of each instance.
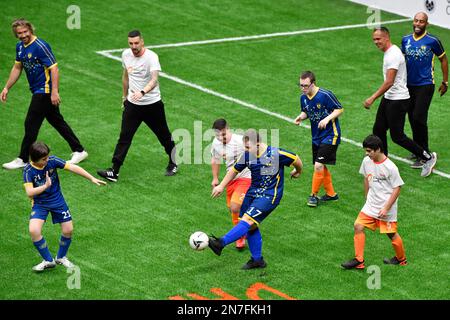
(230, 152)
(383, 177)
(139, 74)
(394, 59)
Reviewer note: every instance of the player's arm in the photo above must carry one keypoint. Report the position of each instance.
(387, 84)
(366, 186)
(302, 116)
(324, 122)
(34, 191)
(80, 171)
(298, 168)
(148, 87)
(14, 75)
(215, 169)
(54, 72)
(124, 84)
(217, 191)
(444, 66)
(390, 202)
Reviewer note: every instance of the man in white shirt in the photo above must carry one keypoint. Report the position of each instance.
(228, 147)
(394, 104)
(142, 103)
(382, 183)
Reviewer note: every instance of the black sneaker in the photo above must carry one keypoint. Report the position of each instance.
(313, 201)
(329, 198)
(215, 244)
(171, 170)
(108, 174)
(353, 264)
(252, 264)
(395, 261)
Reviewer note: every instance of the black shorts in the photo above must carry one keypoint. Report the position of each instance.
(324, 153)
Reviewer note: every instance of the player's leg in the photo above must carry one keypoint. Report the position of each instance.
(254, 239)
(397, 244)
(238, 191)
(381, 125)
(64, 244)
(317, 179)
(421, 97)
(328, 153)
(157, 122)
(33, 121)
(35, 229)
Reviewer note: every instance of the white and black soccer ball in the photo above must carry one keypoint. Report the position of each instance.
(198, 240)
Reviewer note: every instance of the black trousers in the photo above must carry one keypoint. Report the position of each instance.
(391, 116)
(418, 112)
(41, 108)
(154, 117)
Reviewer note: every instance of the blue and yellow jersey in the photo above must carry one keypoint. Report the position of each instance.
(37, 59)
(318, 107)
(267, 171)
(35, 176)
(419, 54)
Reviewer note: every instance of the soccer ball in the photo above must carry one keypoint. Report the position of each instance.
(198, 240)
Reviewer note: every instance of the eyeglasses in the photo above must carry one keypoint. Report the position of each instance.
(305, 86)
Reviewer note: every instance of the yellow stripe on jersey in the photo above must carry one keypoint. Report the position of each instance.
(256, 222)
(432, 68)
(28, 184)
(276, 188)
(66, 166)
(289, 155)
(47, 80)
(53, 65)
(442, 55)
(336, 135)
(234, 169)
(18, 62)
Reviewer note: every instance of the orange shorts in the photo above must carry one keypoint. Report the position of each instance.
(374, 223)
(237, 189)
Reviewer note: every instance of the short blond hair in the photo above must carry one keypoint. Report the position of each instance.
(21, 22)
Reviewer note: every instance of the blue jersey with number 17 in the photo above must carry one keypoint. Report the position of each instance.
(267, 172)
(32, 175)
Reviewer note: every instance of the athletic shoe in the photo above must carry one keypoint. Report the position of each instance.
(412, 156)
(353, 264)
(313, 201)
(44, 265)
(329, 198)
(108, 174)
(253, 264)
(65, 262)
(240, 244)
(77, 157)
(395, 261)
(429, 165)
(215, 244)
(418, 164)
(171, 170)
(15, 164)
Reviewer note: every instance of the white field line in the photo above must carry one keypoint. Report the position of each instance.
(107, 54)
(263, 36)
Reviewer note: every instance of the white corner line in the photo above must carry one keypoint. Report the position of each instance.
(262, 36)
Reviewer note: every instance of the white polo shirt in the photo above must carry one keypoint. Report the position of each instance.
(383, 177)
(230, 152)
(139, 74)
(394, 59)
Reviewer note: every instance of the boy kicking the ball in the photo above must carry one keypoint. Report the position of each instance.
(266, 164)
(42, 186)
(382, 183)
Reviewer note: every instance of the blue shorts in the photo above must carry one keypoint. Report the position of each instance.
(258, 208)
(59, 214)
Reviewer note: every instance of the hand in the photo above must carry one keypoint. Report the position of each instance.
(323, 123)
(443, 89)
(368, 102)
(4, 95)
(48, 181)
(298, 120)
(136, 96)
(217, 191)
(214, 183)
(294, 174)
(98, 181)
(56, 100)
(382, 213)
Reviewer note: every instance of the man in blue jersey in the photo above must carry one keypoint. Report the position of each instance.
(42, 186)
(36, 57)
(266, 164)
(420, 48)
(323, 109)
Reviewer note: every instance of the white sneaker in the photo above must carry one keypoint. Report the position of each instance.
(77, 157)
(44, 265)
(65, 262)
(429, 165)
(15, 164)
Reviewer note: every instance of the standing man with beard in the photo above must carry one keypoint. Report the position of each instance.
(142, 103)
(420, 49)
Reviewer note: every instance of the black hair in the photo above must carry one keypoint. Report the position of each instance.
(373, 142)
(220, 124)
(308, 74)
(38, 150)
(252, 136)
(382, 29)
(134, 33)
